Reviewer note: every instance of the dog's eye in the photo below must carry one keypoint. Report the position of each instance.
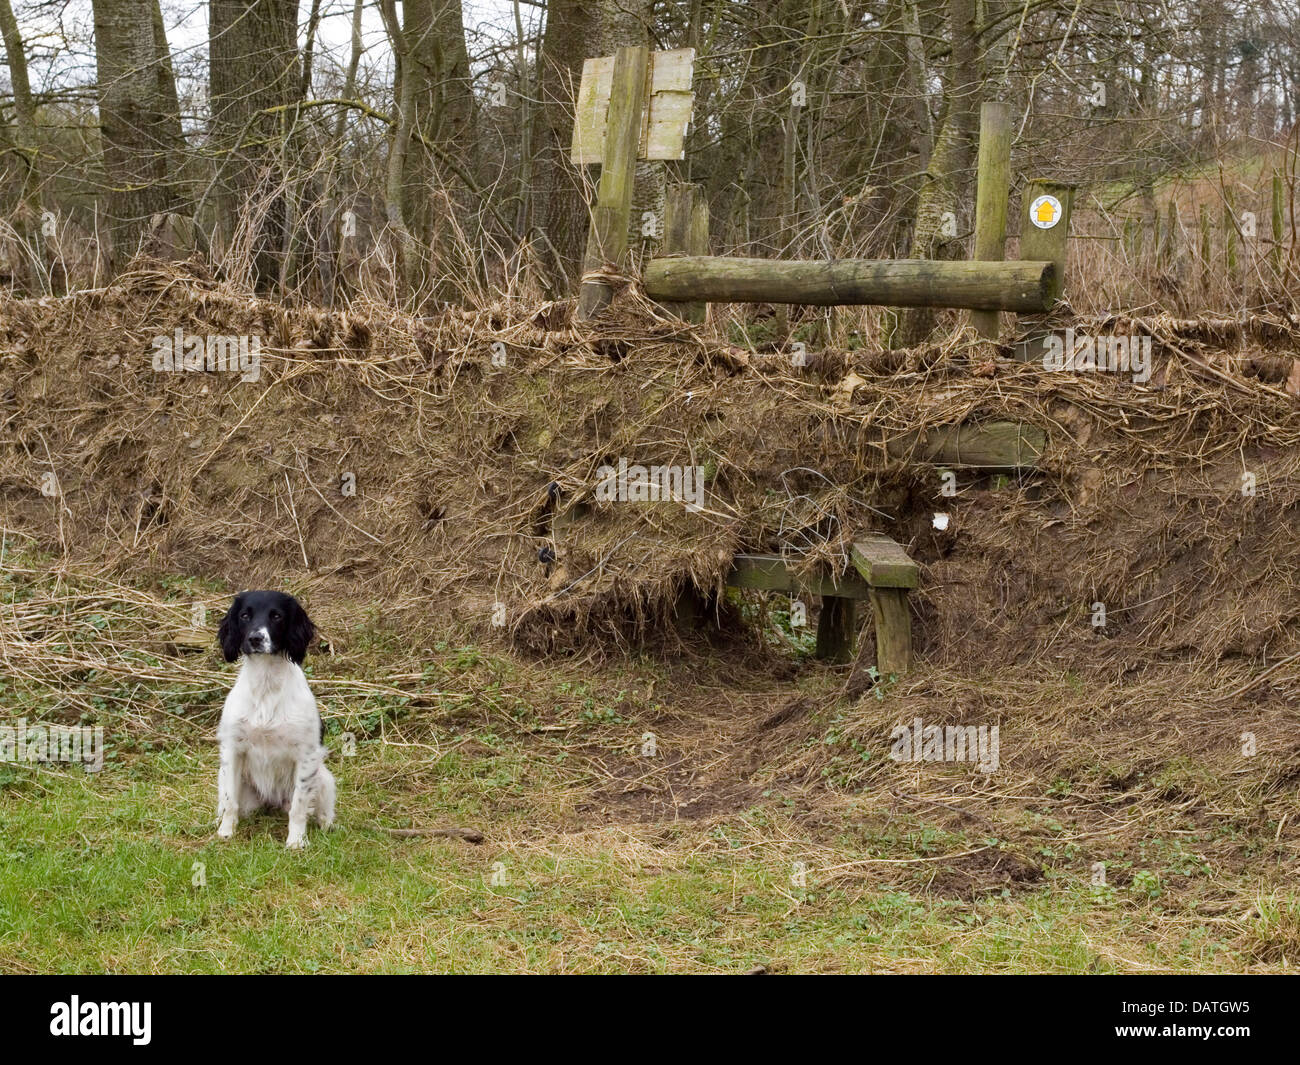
(245, 615)
(275, 615)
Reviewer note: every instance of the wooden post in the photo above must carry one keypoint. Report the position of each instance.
(891, 575)
(893, 631)
(607, 237)
(1037, 244)
(993, 186)
(686, 232)
(835, 629)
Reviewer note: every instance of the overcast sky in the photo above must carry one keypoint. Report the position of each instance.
(60, 34)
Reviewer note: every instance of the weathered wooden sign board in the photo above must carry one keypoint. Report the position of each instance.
(663, 121)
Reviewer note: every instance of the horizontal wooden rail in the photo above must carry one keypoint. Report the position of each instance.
(987, 445)
(881, 571)
(772, 573)
(984, 286)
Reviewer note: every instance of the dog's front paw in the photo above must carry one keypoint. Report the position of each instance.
(296, 843)
(225, 830)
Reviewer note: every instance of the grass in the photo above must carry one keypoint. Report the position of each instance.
(120, 871)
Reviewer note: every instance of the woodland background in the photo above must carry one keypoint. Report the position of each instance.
(418, 152)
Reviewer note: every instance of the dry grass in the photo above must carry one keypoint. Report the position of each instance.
(1140, 487)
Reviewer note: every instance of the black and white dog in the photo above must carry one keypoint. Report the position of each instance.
(271, 731)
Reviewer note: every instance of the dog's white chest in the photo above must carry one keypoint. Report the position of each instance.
(270, 770)
(270, 711)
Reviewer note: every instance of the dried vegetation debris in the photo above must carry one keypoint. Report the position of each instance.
(452, 429)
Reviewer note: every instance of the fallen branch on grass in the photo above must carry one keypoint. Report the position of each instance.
(469, 835)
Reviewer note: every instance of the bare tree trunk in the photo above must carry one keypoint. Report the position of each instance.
(331, 228)
(1145, 180)
(254, 84)
(944, 206)
(438, 112)
(170, 102)
(570, 34)
(24, 111)
(398, 146)
(523, 193)
(137, 129)
(24, 145)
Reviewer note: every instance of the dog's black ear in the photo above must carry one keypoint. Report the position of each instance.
(229, 634)
(298, 633)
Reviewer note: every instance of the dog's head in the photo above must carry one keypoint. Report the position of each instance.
(266, 623)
